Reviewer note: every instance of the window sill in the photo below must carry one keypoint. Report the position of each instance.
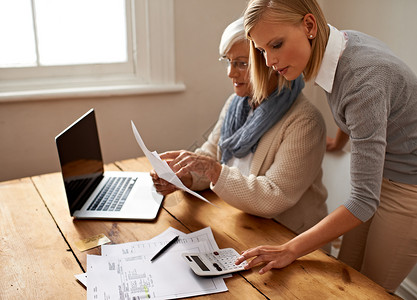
(91, 91)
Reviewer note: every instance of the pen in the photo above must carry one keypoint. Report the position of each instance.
(171, 242)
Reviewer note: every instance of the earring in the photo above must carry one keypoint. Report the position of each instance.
(310, 36)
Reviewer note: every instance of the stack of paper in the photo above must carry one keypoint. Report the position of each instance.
(124, 271)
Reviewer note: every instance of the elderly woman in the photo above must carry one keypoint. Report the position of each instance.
(262, 157)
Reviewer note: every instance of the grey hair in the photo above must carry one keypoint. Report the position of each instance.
(233, 33)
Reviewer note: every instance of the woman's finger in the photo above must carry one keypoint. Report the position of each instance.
(256, 261)
(169, 155)
(165, 189)
(267, 268)
(247, 255)
(160, 181)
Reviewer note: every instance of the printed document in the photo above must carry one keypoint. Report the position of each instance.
(161, 167)
(124, 271)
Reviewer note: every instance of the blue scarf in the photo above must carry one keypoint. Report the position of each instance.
(240, 135)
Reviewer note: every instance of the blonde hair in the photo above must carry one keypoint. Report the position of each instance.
(283, 11)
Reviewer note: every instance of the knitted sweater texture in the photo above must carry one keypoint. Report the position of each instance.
(285, 173)
(374, 101)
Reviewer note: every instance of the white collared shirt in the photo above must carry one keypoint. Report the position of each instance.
(243, 164)
(334, 49)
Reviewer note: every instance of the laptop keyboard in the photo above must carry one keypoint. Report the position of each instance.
(113, 194)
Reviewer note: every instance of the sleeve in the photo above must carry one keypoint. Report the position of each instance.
(210, 148)
(366, 114)
(296, 165)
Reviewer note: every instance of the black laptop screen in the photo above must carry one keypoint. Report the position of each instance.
(81, 160)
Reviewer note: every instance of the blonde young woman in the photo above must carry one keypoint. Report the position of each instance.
(262, 157)
(373, 97)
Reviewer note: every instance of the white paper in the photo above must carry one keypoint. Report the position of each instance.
(126, 270)
(82, 278)
(110, 277)
(161, 167)
(204, 235)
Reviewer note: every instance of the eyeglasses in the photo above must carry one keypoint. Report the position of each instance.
(237, 64)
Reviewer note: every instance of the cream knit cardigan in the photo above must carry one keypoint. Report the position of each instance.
(285, 173)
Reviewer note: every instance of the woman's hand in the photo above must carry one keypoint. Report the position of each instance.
(183, 162)
(164, 188)
(337, 223)
(337, 143)
(273, 256)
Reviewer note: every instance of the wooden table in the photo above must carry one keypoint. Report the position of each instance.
(39, 257)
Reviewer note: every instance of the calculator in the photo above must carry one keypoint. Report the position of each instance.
(218, 262)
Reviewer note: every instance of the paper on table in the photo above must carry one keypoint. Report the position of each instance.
(82, 278)
(161, 167)
(126, 269)
(204, 235)
(146, 246)
(134, 275)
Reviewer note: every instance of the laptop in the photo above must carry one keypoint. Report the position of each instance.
(95, 194)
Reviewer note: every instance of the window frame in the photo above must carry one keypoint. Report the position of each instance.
(150, 67)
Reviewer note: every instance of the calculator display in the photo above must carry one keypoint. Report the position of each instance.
(218, 262)
(199, 263)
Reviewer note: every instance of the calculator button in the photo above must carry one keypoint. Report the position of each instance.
(217, 267)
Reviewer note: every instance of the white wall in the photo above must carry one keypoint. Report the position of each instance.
(392, 21)
(165, 121)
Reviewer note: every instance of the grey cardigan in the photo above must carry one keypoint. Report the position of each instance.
(374, 101)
